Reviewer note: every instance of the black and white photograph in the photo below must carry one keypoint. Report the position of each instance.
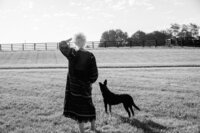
(99, 66)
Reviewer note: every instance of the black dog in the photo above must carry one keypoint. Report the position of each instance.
(114, 99)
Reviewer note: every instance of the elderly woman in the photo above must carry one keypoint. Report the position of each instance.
(82, 73)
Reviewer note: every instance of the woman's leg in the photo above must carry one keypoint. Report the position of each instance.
(81, 127)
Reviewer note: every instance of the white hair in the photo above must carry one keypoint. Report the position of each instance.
(80, 40)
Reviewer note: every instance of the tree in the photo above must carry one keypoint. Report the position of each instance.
(112, 35)
(160, 37)
(113, 38)
(191, 30)
(138, 37)
(105, 36)
(185, 31)
(157, 37)
(194, 29)
(168, 32)
(175, 28)
(121, 36)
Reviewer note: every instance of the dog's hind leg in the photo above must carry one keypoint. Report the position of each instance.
(127, 110)
(132, 110)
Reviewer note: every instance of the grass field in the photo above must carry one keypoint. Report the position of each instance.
(31, 100)
(106, 57)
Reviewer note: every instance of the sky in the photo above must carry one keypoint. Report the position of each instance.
(56, 20)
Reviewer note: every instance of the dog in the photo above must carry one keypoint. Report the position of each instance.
(114, 99)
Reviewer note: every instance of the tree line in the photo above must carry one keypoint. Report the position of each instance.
(118, 37)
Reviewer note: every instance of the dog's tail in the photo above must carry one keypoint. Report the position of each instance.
(136, 106)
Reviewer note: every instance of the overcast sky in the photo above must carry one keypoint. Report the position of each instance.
(55, 20)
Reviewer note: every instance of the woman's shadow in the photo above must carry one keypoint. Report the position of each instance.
(148, 126)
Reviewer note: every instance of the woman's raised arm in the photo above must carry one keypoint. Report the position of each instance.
(66, 50)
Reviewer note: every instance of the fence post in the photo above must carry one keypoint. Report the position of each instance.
(193, 43)
(130, 43)
(34, 46)
(118, 44)
(171, 43)
(23, 47)
(57, 46)
(182, 43)
(11, 47)
(46, 46)
(156, 43)
(0, 48)
(143, 43)
(93, 45)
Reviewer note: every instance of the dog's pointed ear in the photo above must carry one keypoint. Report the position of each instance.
(105, 82)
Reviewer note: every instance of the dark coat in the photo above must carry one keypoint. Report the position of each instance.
(82, 72)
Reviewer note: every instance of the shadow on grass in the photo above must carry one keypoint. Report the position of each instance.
(148, 126)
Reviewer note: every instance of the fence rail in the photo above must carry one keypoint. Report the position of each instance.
(39, 46)
(90, 44)
(28, 46)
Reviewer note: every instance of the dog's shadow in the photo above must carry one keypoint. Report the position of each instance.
(148, 126)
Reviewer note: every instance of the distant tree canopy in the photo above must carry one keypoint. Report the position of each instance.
(114, 38)
(159, 36)
(138, 37)
(141, 38)
(190, 30)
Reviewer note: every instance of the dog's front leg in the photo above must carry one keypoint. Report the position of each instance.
(105, 104)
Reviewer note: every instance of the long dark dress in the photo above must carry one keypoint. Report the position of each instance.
(82, 73)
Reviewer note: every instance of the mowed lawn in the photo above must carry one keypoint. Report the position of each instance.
(106, 57)
(31, 101)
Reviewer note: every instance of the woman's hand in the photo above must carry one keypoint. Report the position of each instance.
(68, 40)
(65, 42)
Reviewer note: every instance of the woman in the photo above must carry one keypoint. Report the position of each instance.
(82, 73)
